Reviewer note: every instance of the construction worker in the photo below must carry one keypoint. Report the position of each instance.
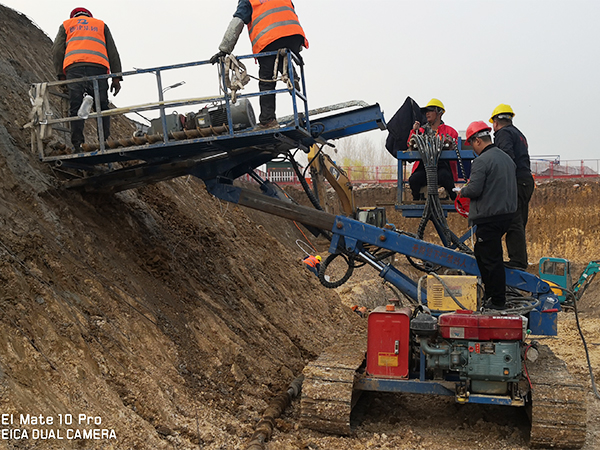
(434, 110)
(508, 138)
(84, 47)
(362, 311)
(493, 193)
(313, 263)
(272, 25)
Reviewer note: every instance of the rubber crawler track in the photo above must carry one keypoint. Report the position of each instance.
(557, 409)
(327, 392)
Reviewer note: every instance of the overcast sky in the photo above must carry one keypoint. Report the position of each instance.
(539, 56)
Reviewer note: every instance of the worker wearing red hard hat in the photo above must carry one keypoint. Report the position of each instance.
(492, 189)
(508, 138)
(272, 25)
(447, 174)
(84, 47)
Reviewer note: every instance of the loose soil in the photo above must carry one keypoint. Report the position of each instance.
(175, 318)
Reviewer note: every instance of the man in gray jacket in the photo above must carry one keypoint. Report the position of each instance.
(493, 193)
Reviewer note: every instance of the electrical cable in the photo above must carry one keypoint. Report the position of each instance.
(585, 347)
(447, 289)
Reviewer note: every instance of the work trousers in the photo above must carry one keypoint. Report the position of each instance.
(266, 72)
(516, 240)
(418, 179)
(488, 253)
(76, 93)
(314, 270)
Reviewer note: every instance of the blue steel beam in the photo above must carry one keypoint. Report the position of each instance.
(353, 234)
(350, 122)
(429, 388)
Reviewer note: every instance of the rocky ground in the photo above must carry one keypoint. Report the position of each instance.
(171, 318)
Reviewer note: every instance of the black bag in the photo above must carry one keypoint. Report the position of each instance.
(400, 125)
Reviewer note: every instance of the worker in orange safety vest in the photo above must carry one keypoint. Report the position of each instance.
(272, 25)
(313, 263)
(84, 47)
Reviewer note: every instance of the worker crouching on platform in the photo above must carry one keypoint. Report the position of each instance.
(272, 25)
(313, 263)
(433, 111)
(493, 193)
(84, 47)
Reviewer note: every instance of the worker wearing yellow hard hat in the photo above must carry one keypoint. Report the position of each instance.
(447, 172)
(507, 137)
(434, 103)
(313, 263)
(502, 111)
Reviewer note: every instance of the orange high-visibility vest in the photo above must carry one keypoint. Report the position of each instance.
(271, 20)
(311, 261)
(85, 42)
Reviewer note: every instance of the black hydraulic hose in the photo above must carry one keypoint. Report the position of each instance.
(305, 185)
(311, 161)
(585, 347)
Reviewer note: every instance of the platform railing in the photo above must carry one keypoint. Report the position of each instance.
(44, 117)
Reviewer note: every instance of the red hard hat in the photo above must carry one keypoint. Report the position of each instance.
(77, 11)
(476, 127)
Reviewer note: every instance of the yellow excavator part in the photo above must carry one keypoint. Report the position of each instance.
(321, 165)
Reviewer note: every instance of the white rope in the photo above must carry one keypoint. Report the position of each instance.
(236, 76)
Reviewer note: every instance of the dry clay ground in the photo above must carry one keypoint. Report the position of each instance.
(174, 318)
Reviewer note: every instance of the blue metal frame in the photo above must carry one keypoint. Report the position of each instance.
(351, 235)
(299, 129)
(428, 387)
(224, 154)
(416, 210)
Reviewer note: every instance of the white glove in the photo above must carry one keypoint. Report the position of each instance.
(456, 189)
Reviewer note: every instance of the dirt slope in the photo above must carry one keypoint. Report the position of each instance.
(166, 313)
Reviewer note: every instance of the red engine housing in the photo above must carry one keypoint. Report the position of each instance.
(388, 347)
(478, 327)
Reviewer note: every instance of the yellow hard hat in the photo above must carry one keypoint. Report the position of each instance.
(318, 258)
(501, 109)
(435, 102)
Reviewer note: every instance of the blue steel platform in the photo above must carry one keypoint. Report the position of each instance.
(222, 152)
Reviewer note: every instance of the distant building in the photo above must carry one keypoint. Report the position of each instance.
(281, 172)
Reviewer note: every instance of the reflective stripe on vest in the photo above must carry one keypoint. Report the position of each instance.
(85, 42)
(311, 261)
(271, 20)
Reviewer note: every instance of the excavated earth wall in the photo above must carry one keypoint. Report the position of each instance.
(169, 315)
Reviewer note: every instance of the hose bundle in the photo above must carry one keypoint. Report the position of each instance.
(430, 147)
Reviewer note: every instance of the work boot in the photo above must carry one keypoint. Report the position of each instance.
(267, 126)
(490, 304)
(515, 265)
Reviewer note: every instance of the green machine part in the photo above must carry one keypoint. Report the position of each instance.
(557, 271)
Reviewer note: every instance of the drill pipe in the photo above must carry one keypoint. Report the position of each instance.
(264, 429)
(158, 137)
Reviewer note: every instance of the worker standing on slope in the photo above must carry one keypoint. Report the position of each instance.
(313, 263)
(493, 193)
(508, 138)
(84, 47)
(272, 25)
(434, 110)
